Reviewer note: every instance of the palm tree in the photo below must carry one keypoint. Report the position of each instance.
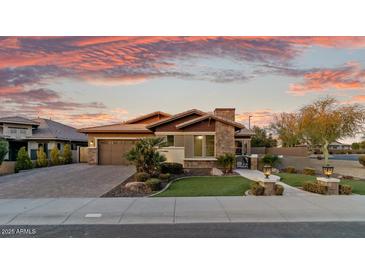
(145, 156)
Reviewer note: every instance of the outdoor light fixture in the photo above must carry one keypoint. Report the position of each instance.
(267, 169)
(91, 143)
(328, 170)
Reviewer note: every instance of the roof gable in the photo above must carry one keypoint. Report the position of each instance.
(149, 118)
(212, 117)
(176, 117)
(18, 120)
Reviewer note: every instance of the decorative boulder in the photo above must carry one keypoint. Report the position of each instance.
(216, 172)
(138, 187)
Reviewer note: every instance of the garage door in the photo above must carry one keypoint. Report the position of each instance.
(112, 152)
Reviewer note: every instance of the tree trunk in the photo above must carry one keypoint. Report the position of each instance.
(325, 152)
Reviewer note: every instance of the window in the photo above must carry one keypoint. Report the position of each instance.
(209, 145)
(170, 140)
(59, 146)
(73, 146)
(198, 146)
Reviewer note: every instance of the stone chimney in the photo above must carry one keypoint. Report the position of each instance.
(224, 134)
(226, 113)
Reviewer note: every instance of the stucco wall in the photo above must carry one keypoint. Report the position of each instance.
(173, 154)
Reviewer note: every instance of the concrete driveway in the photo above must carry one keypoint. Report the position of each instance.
(75, 180)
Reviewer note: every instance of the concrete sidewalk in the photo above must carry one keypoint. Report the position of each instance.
(55, 211)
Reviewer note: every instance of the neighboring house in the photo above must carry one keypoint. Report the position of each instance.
(31, 134)
(338, 146)
(194, 138)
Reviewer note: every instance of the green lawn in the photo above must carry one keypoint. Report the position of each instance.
(207, 186)
(297, 180)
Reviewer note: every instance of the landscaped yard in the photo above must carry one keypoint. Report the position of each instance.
(297, 180)
(208, 186)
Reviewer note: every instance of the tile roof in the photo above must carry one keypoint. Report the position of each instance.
(49, 129)
(18, 120)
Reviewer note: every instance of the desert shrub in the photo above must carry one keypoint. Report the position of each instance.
(279, 189)
(172, 168)
(289, 169)
(42, 160)
(55, 156)
(257, 189)
(362, 160)
(309, 171)
(23, 161)
(165, 176)
(67, 154)
(142, 176)
(154, 184)
(227, 162)
(345, 190)
(315, 187)
(271, 160)
(4, 149)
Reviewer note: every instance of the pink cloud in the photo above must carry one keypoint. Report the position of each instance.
(350, 76)
(259, 117)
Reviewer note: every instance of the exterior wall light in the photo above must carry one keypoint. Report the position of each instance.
(91, 143)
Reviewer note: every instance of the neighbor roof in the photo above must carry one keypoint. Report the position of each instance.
(18, 120)
(244, 132)
(210, 116)
(121, 128)
(49, 129)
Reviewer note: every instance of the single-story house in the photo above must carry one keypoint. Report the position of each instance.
(338, 146)
(194, 138)
(33, 133)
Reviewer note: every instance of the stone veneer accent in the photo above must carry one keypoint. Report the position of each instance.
(224, 138)
(254, 162)
(93, 155)
(200, 163)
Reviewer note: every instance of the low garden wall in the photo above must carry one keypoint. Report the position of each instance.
(7, 167)
(285, 151)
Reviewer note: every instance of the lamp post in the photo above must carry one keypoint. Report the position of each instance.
(328, 170)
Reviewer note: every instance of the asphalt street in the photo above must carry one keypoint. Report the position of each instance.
(192, 230)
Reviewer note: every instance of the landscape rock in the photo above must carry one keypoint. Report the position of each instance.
(216, 172)
(138, 187)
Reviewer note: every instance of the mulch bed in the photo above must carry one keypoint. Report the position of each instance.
(120, 191)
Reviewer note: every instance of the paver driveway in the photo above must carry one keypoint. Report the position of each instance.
(75, 180)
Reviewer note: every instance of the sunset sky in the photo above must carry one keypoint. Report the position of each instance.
(87, 81)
